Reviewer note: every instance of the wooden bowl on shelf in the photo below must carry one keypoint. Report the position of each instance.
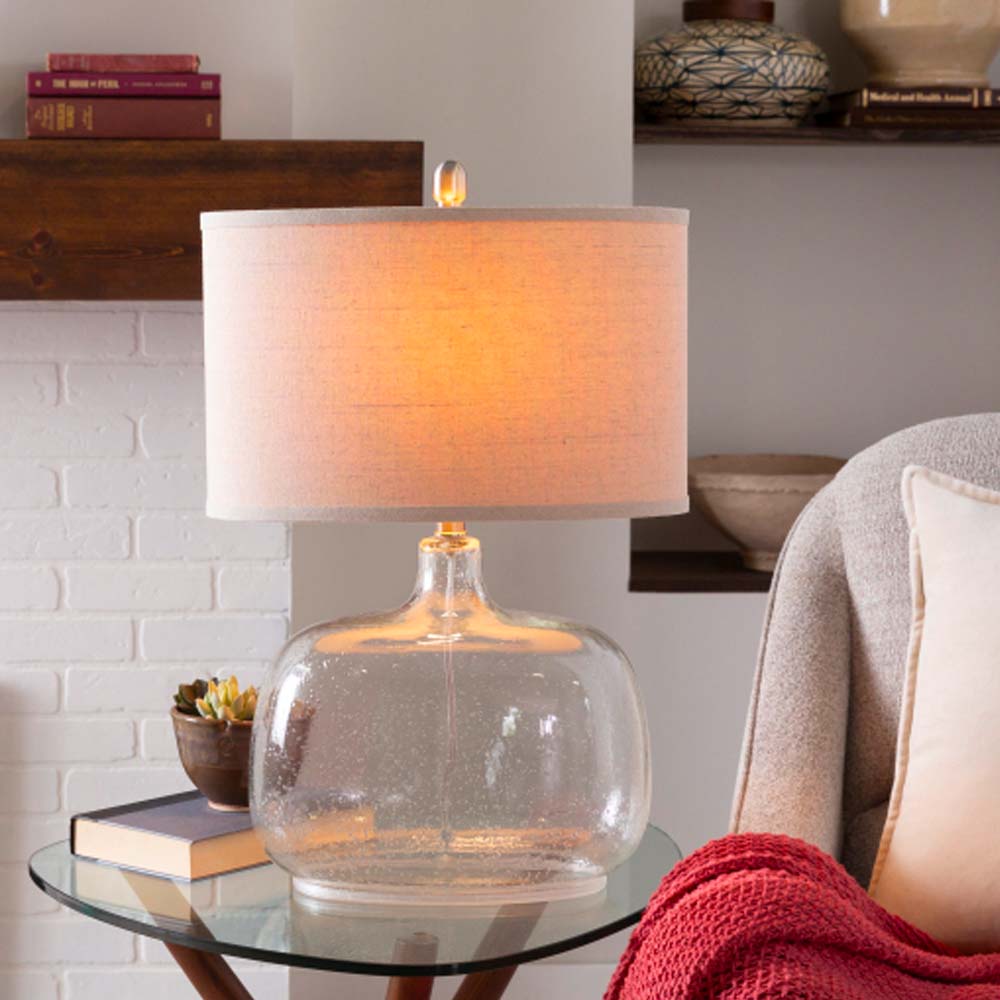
(754, 499)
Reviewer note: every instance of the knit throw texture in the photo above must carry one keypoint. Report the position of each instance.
(760, 917)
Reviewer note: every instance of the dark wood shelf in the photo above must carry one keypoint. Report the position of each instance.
(118, 219)
(651, 134)
(694, 573)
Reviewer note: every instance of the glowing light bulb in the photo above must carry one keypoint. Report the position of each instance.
(449, 184)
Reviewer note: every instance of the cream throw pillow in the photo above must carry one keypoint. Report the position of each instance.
(938, 863)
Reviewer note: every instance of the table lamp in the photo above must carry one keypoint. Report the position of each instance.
(447, 365)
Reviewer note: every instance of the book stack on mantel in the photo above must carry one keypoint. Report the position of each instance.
(946, 108)
(90, 96)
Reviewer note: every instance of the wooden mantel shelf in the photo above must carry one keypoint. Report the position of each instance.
(109, 219)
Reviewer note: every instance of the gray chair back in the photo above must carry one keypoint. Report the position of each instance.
(820, 746)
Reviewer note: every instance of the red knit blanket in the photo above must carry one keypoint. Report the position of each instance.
(761, 917)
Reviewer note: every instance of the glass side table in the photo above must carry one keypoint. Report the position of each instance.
(253, 914)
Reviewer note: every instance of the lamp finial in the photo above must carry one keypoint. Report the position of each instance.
(449, 184)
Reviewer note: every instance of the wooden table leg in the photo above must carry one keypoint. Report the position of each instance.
(486, 985)
(209, 974)
(415, 949)
(410, 988)
(508, 934)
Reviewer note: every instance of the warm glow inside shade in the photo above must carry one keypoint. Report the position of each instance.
(446, 364)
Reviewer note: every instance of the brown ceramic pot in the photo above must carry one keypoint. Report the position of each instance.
(216, 757)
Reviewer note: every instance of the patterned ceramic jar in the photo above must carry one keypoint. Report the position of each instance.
(729, 64)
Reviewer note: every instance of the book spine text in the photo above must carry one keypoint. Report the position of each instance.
(921, 98)
(914, 118)
(124, 84)
(123, 118)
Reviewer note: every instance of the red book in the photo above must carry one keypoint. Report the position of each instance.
(124, 84)
(123, 118)
(89, 62)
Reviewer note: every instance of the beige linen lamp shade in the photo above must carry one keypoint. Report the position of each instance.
(446, 364)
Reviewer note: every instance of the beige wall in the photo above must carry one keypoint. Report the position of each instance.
(837, 294)
(250, 44)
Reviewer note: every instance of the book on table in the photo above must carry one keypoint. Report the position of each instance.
(180, 836)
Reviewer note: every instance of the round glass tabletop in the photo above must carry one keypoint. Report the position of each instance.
(253, 914)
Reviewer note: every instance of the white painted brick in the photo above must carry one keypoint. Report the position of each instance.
(27, 485)
(66, 740)
(213, 637)
(166, 984)
(254, 588)
(118, 689)
(29, 790)
(168, 433)
(28, 985)
(172, 335)
(138, 587)
(28, 588)
(192, 536)
(142, 688)
(65, 432)
(64, 535)
(28, 385)
(18, 894)
(21, 836)
(156, 740)
(27, 691)
(60, 336)
(98, 787)
(155, 953)
(136, 386)
(72, 939)
(54, 639)
(177, 485)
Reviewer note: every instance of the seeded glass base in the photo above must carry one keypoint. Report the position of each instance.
(450, 751)
(448, 894)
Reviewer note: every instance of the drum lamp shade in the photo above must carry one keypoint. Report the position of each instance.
(446, 364)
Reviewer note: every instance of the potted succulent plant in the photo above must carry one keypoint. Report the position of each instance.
(212, 722)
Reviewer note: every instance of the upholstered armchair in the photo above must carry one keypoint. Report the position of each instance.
(820, 745)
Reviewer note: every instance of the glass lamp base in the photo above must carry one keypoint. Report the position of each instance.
(450, 751)
(449, 894)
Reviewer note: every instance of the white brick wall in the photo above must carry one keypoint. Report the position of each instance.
(114, 588)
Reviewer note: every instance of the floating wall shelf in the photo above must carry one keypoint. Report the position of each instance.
(109, 219)
(805, 135)
(693, 573)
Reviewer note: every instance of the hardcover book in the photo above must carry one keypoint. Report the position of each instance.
(124, 84)
(915, 97)
(956, 119)
(123, 118)
(90, 62)
(177, 835)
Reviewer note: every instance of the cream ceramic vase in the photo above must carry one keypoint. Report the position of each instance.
(907, 43)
